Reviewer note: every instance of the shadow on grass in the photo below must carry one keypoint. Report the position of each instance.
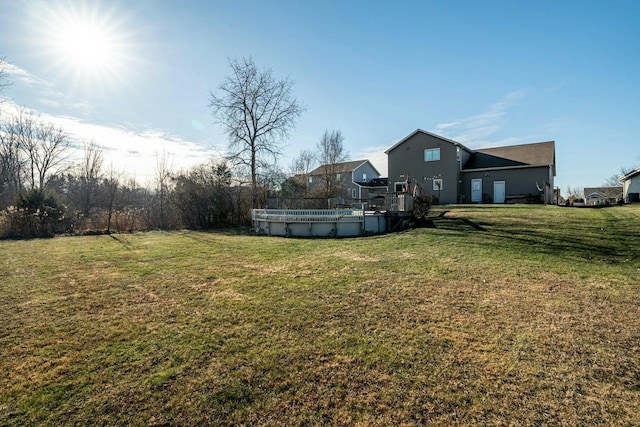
(610, 240)
(124, 242)
(454, 223)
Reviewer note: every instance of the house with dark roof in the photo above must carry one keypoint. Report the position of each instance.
(631, 186)
(344, 180)
(429, 164)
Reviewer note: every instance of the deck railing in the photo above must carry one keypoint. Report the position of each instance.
(307, 215)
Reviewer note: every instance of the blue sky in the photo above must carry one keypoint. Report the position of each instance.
(484, 73)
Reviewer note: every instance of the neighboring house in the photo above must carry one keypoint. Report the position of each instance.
(452, 173)
(602, 195)
(342, 180)
(631, 186)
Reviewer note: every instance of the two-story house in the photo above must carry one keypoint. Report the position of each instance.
(450, 172)
(341, 180)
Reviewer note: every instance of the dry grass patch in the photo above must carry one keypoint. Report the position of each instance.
(499, 316)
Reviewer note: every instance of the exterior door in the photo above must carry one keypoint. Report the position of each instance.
(498, 192)
(476, 190)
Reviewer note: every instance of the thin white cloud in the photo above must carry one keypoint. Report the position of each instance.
(48, 95)
(475, 130)
(15, 73)
(377, 156)
(134, 152)
(50, 102)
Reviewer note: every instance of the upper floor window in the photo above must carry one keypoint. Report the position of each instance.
(338, 176)
(364, 177)
(431, 154)
(310, 180)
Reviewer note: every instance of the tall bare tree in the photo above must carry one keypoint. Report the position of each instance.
(111, 184)
(331, 152)
(299, 169)
(257, 111)
(89, 174)
(44, 145)
(163, 181)
(304, 163)
(11, 164)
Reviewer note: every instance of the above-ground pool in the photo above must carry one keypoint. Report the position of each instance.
(318, 222)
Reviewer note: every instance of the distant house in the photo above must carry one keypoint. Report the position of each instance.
(631, 186)
(449, 172)
(342, 180)
(602, 195)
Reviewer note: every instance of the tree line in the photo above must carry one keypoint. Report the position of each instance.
(43, 191)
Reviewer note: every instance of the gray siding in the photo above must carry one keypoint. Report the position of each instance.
(365, 168)
(408, 158)
(517, 182)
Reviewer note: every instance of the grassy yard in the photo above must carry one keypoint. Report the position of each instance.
(518, 315)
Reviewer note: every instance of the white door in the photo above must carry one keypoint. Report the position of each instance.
(476, 190)
(498, 192)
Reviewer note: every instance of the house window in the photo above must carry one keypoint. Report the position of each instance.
(431, 154)
(364, 177)
(338, 176)
(310, 180)
(398, 187)
(354, 193)
(437, 184)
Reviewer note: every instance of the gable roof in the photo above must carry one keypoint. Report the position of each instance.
(344, 167)
(451, 141)
(630, 175)
(603, 192)
(536, 154)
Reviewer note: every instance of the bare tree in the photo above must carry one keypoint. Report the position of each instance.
(257, 111)
(11, 164)
(89, 174)
(163, 181)
(573, 194)
(304, 163)
(111, 184)
(614, 180)
(331, 152)
(44, 146)
(299, 170)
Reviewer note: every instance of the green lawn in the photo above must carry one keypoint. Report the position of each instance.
(514, 315)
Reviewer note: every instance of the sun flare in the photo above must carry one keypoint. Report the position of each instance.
(88, 44)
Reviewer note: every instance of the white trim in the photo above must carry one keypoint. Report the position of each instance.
(432, 151)
(508, 167)
(481, 188)
(504, 189)
(451, 141)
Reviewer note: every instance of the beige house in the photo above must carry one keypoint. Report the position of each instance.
(602, 195)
